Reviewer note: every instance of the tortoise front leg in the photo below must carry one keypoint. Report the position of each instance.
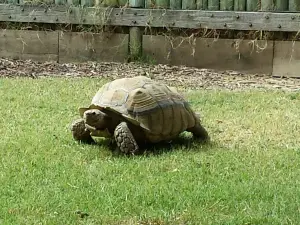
(124, 139)
(80, 133)
(199, 132)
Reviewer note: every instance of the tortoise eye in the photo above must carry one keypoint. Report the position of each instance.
(93, 113)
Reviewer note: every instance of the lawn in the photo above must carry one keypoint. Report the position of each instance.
(248, 174)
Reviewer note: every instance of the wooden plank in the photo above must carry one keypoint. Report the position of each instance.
(11, 1)
(226, 4)
(213, 5)
(267, 21)
(73, 2)
(136, 3)
(81, 47)
(38, 45)
(224, 54)
(110, 3)
(175, 4)
(163, 4)
(156, 49)
(294, 5)
(87, 3)
(150, 4)
(253, 5)
(267, 5)
(202, 4)
(189, 4)
(281, 5)
(286, 59)
(60, 2)
(239, 5)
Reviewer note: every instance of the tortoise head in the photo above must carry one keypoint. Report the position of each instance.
(96, 119)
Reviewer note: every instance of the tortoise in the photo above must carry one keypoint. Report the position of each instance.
(135, 111)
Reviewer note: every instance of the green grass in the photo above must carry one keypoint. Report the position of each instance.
(249, 174)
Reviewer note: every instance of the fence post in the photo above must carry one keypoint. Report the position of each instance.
(135, 33)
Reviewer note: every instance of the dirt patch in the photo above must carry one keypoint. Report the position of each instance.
(180, 76)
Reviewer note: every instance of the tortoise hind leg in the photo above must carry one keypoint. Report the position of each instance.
(199, 132)
(125, 140)
(80, 133)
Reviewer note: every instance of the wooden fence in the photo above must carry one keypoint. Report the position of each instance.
(212, 5)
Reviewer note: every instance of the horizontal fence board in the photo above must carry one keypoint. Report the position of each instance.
(157, 49)
(81, 47)
(286, 59)
(153, 17)
(223, 54)
(37, 45)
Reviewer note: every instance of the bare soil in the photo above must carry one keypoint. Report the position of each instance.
(180, 76)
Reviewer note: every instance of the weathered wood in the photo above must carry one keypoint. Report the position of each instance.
(253, 5)
(202, 4)
(150, 4)
(38, 45)
(294, 5)
(281, 5)
(267, 21)
(87, 3)
(60, 2)
(239, 5)
(136, 3)
(267, 5)
(104, 47)
(157, 48)
(189, 4)
(175, 4)
(10, 1)
(109, 3)
(213, 5)
(163, 4)
(226, 4)
(135, 33)
(135, 42)
(73, 2)
(286, 60)
(123, 2)
(224, 54)
(37, 2)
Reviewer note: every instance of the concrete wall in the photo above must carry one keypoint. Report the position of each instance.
(276, 58)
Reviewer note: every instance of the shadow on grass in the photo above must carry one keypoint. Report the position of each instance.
(183, 142)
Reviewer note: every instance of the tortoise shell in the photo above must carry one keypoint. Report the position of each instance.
(159, 109)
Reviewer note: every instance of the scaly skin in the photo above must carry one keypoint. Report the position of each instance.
(80, 133)
(125, 140)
